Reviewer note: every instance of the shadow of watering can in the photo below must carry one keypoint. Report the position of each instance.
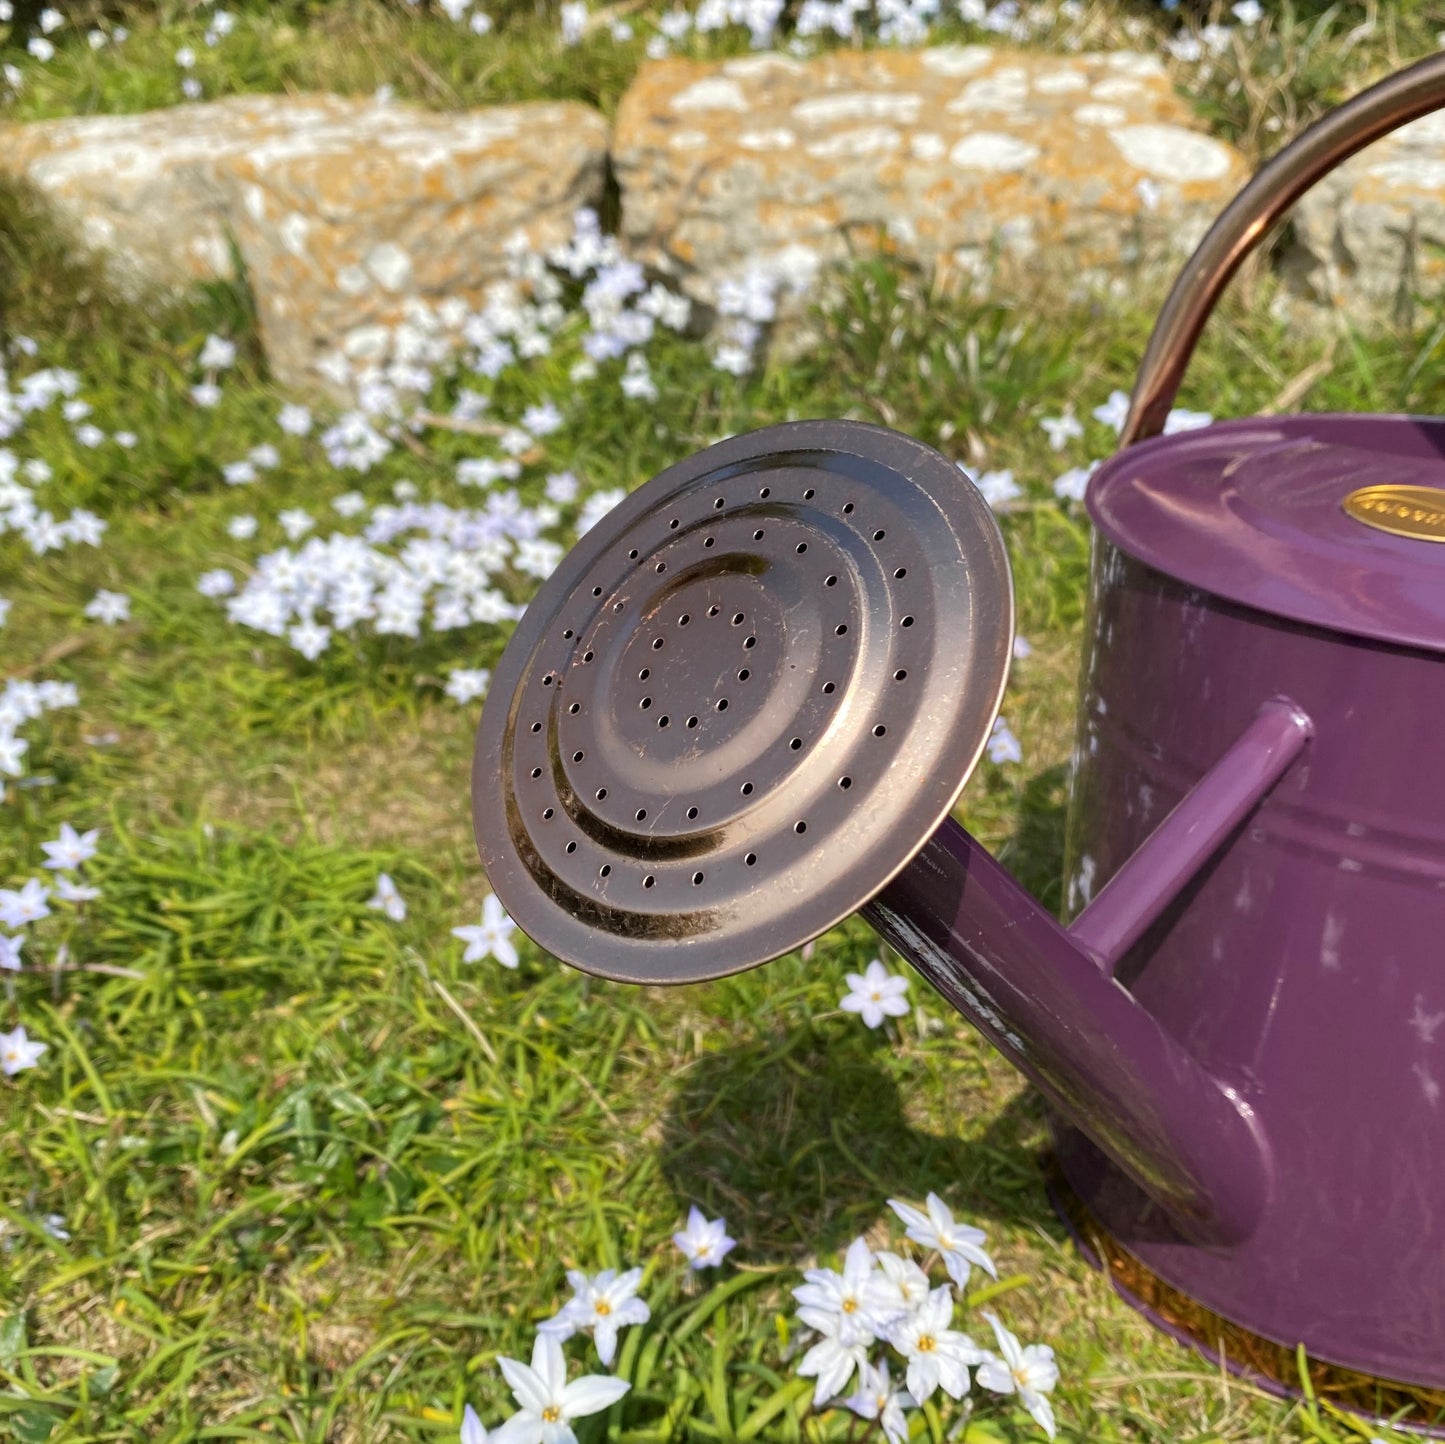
(744, 705)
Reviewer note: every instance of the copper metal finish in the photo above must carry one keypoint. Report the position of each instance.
(743, 702)
(1252, 214)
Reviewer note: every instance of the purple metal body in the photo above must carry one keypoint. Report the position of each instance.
(1243, 1031)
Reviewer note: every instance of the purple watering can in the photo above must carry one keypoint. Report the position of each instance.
(745, 704)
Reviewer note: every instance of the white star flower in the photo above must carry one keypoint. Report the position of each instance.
(704, 1242)
(309, 638)
(108, 607)
(604, 1304)
(465, 684)
(1062, 429)
(17, 1052)
(876, 1398)
(27, 905)
(492, 937)
(76, 892)
(574, 21)
(85, 526)
(907, 1282)
(1072, 484)
(938, 1356)
(833, 1360)
(1115, 411)
(875, 994)
(10, 952)
(1181, 420)
(12, 749)
(548, 1402)
(958, 1244)
(542, 420)
(387, 899)
(217, 583)
(294, 420)
(998, 488)
(859, 1298)
(473, 1430)
(71, 848)
(206, 394)
(1029, 1372)
(217, 354)
(295, 523)
(242, 528)
(1002, 745)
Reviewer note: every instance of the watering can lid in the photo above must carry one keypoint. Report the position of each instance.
(1333, 520)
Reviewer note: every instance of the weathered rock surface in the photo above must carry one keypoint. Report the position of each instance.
(1372, 233)
(342, 211)
(948, 156)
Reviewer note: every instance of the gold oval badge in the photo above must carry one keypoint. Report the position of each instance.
(1414, 511)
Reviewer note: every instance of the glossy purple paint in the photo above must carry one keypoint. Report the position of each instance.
(1243, 1032)
(1153, 877)
(1049, 1007)
(1250, 510)
(1301, 967)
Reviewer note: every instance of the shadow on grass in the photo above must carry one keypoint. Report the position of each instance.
(801, 1136)
(800, 1140)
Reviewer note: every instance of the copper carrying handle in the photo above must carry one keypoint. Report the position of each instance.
(1252, 214)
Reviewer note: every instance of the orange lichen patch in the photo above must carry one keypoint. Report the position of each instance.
(1241, 1350)
(930, 151)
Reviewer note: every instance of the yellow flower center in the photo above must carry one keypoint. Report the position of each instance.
(926, 1343)
(552, 1413)
(603, 1308)
(703, 1249)
(850, 1306)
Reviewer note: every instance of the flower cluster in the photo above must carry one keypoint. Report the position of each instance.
(444, 574)
(413, 565)
(601, 1305)
(29, 903)
(748, 302)
(23, 701)
(886, 1298)
(20, 508)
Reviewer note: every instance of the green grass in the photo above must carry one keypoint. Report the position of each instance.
(307, 1200)
(318, 1172)
(1305, 56)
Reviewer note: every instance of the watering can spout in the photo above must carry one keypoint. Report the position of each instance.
(1046, 996)
(744, 708)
